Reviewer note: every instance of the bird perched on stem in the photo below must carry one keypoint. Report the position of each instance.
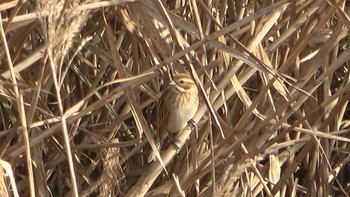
(176, 107)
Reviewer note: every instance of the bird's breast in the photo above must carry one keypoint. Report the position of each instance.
(181, 113)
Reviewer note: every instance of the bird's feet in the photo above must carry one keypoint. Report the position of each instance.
(192, 124)
(174, 141)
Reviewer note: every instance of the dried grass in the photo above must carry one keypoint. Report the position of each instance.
(80, 80)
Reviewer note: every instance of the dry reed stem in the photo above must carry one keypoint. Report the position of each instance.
(21, 112)
(275, 74)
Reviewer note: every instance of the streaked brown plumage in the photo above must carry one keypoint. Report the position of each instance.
(177, 105)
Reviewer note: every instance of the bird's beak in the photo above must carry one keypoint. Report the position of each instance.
(172, 83)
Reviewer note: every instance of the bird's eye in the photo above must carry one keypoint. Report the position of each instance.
(182, 81)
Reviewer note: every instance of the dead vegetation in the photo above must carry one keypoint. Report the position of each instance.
(80, 79)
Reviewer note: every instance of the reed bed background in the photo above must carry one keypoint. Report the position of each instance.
(80, 80)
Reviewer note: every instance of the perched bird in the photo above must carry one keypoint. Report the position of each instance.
(177, 105)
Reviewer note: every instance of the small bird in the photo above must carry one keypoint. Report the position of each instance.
(177, 105)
